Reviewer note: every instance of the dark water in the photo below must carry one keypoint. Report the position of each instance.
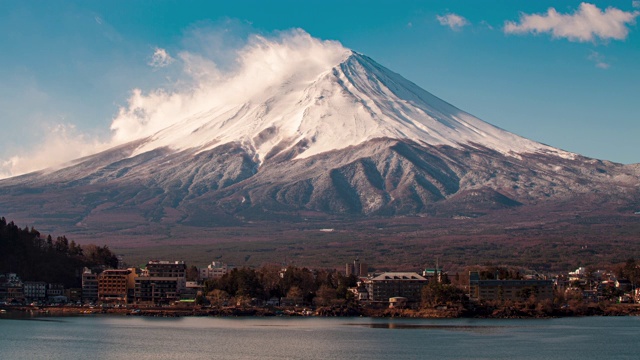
(115, 337)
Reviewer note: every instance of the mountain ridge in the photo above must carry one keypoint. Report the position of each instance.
(353, 140)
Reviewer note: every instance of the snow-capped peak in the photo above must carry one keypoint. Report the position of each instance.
(329, 100)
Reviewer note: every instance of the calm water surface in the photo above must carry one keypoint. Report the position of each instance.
(114, 337)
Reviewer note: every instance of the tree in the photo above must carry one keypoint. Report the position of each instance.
(325, 295)
(192, 273)
(436, 293)
(218, 297)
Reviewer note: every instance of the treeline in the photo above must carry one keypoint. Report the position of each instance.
(321, 287)
(34, 258)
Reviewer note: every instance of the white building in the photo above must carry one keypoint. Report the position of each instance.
(35, 290)
(215, 270)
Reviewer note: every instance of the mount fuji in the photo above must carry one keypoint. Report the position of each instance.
(330, 138)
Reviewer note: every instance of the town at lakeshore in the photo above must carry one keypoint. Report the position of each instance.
(91, 279)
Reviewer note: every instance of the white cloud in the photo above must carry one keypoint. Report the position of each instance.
(588, 23)
(635, 4)
(160, 58)
(453, 21)
(599, 60)
(262, 63)
(206, 81)
(62, 143)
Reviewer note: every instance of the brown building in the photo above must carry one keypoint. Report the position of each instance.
(508, 289)
(396, 284)
(114, 285)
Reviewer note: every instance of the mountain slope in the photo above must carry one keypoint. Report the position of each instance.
(345, 137)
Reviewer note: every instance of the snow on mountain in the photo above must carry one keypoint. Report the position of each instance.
(304, 125)
(343, 100)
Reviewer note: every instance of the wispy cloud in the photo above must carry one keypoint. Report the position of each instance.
(586, 24)
(599, 60)
(453, 21)
(635, 4)
(160, 58)
(206, 79)
(62, 143)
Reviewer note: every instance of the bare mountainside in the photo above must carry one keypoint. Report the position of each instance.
(342, 142)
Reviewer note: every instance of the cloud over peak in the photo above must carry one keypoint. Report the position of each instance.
(587, 24)
(201, 81)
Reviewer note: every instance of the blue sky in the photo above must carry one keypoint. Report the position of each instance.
(568, 77)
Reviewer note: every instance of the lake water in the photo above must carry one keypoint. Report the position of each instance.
(129, 337)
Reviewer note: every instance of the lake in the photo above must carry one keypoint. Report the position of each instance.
(131, 337)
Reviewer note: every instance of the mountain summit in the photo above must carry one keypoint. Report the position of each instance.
(331, 133)
(325, 107)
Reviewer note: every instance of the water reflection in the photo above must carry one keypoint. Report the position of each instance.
(448, 327)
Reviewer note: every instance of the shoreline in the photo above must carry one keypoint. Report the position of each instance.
(13, 312)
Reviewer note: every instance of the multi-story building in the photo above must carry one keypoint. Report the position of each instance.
(156, 289)
(54, 290)
(35, 290)
(74, 295)
(215, 270)
(114, 284)
(11, 288)
(357, 268)
(396, 284)
(162, 282)
(161, 268)
(508, 289)
(89, 286)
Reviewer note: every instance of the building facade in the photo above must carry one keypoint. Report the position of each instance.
(215, 270)
(396, 284)
(114, 285)
(35, 290)
(513, 290)
(89, 286)
(357, 268)
(156, 289)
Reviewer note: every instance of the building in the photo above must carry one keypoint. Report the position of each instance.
(114, 285)
(163, 282)
(156, 289)
(55, 290)
(357, 268)
(11, 288)
(215, 270)
(508, 289)
(73, 294)
(161, 268)
(89, 286)
(396, 284)
(35, 290)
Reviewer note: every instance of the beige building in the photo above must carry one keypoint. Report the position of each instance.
(215, 270)
(114, 284)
